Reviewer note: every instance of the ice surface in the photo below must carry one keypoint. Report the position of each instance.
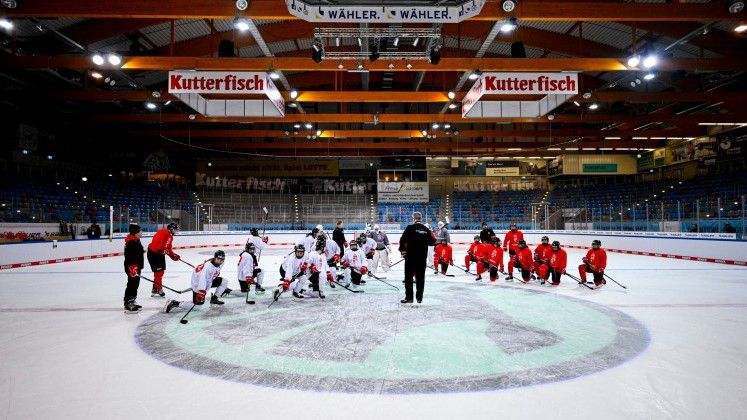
(68, 351)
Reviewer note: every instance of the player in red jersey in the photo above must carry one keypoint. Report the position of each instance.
(160, 246)
(511, 244)
(495, 259)
(556, 266)
(595, 262)
(472, 253)
(523, 260)
(442, 256)
(542, 257)
(483, 250)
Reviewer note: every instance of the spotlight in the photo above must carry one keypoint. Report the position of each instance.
(415, 42)
(650, 61)
(451, 94)
(551, 117)
(740, 28)
(736, 6)
(293, 105)
(435, 126)
(241, 24)
(96, 75)
(309, 126)
(192, 116)
(447, 126)
(167, 103)
(452, 105)
(156, 94)
(509, 26)
(576, 103)
(318, 132)
(475, 75)
(150, 105)
(84, 179)
(294, 94)
(650, 76)
(634, 61)
(593, 107)
(50, 157)
(396, 41)
(296, 125)
(10, 4)
(25, 152)
(360, 42)
(424, 133)
(6, 24)
(97, 59)
(508, 6)
(409, 66)
(242, 4)
(316, 51)
(587, 95)
(638, 81)
(114, 59)
(274, 75)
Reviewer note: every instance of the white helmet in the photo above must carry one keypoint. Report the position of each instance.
(376, 228)
(368, 227)
(440, 224)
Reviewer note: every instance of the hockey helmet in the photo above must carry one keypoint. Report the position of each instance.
(354, 245)
(522, 243)
(596, 243)
(476, 238)
(299, 250)
(250, 248)
(545, 240)
(321, 243)
(254, 231)
(172, 227)
(556, 245)
(219, 255)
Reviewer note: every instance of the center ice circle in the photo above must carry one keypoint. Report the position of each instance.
(465, 338)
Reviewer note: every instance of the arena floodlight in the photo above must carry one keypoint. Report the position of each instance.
(6, 24)
(241, 24)
(114, 59)
(736, 6)
(274, 75)
(650, 76)
(451, 94)
(634, 61)
(509, 26)
(475, 75)
(294, 94)
(97, 59)
(593, 107)
(650, 61)
(452, 105)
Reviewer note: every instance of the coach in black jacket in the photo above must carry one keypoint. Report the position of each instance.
(486, 234)
(133, 264)
(414, 245)
(338, 236)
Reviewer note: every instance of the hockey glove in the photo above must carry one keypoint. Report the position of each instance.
(345, 264)
(132, 270)
(266, 239)
(303, 267)
(200, 297)
(329, 277)
(174, 256)
(249, 280)
(364, 270)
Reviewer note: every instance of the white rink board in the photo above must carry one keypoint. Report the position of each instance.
(673, 244)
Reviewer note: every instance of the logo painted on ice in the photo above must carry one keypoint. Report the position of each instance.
(465, 339)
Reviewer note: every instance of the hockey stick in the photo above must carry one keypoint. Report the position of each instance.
(264, 228)
(392, 265)
(187, 263)
(583, 283)
(184, 320)
(347, 287)
(285, 290)
(379, 279)
(165, 287)
(452, 264)
(605, 275)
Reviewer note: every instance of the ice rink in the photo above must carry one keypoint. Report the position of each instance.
(673, 345)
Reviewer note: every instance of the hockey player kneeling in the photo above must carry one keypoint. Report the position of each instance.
(318, 267)
(205, 276)
(248, 271)
(523, 260)
(595, 262)
(368, 246)
(354, 264)
(442, 256)
(293, 268)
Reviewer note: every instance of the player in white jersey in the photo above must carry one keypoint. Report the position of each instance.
(368, 246)
(293, 268)
(354, 264)
(248, 271)
(205, 276)
(332, 254)
(309, 241)
(260, 243)
(318, 266)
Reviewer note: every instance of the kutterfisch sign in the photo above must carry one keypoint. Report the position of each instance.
(184, 81)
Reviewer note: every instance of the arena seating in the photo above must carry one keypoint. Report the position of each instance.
(498, 209)
(402, 212)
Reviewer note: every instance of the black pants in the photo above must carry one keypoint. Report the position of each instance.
(157, 261)
(314, 279)
(355, 278)
(554, 274)
(493, 272)
(415, 269)
(444, 267)
(131, 289)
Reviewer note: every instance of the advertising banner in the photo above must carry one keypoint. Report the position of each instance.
(402, 192)
(502, 168)
(384, 13)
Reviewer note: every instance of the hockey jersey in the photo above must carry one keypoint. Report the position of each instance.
(597, 258)
(203, 276)
(524, 258)
(247, 264)
(369, 246)
(292, 265)
(442, 253)
(558, 260)
(317, 263)
(542, 252)
(511, 240)
(161, 242)
(495, 257)
(330, 250)
(259, 244)
(308, 242)
(483, 250)
(355, 259)
(473, 249)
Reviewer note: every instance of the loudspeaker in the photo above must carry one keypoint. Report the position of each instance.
(226, 48)
(518, 50)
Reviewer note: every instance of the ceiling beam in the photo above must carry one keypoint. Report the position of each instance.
(401, 134)
(276, 10)
(306, 64)
(683, 120)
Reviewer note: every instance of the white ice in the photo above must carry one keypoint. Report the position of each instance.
(67, 351)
